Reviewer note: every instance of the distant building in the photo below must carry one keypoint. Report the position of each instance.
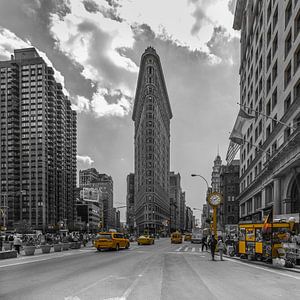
(38, 136)
(230, 189)
(117, 220)
(130, 203)
(175, 201)
(182, 212)
(106, 186)
(216, 187)
(87, 177)
(215, 176)
(101, 186)
(205, 216)
(188, 219)
(88, 214)
(151, 116)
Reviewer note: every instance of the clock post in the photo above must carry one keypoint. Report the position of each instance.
(215, 199)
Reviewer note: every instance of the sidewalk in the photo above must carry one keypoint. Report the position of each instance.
(38, 252)
(296, 269)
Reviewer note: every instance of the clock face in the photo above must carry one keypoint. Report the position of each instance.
(215, 198)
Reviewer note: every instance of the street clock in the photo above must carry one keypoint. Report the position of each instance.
(214, 199)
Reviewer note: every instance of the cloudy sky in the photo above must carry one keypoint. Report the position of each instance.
(95, 47)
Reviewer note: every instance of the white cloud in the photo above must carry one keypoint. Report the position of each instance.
(9, 42)
(81, 104)
(92, 41)
(176, 19)
(84, 159)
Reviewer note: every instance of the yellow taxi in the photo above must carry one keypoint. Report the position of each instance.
(188, 237)
(176, 238)
(111, 240)
(145, 240)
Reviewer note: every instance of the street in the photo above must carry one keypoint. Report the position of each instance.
(160, 271)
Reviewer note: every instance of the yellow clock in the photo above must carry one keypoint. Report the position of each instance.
(214, 199)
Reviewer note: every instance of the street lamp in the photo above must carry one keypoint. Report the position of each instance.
(214, 200)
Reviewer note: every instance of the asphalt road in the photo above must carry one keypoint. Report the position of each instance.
(161, 271)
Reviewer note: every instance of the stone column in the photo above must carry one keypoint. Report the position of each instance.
(276, 194)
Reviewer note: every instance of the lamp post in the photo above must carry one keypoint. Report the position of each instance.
(214, 199)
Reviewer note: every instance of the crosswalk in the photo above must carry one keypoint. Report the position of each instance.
(188, 249)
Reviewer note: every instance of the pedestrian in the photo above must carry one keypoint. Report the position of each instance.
(204, 244)
(221, 247)
(17, 243)
(213, 244)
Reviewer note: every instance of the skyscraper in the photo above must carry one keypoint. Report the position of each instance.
(38, 139)
(130, 203)
(151, 116)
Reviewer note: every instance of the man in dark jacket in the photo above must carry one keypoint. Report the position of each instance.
(213, 244)
(204, 244)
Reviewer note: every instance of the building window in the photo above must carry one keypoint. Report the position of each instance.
(288, 43)
(274, 98)
(274, 122)
(297, 25)
(275, 44)
(297, 90)
(274, 72)
(287, 103)
(269, 10)
(268, 87)
(297, 59)
(275, 17)
(287, 75)
(269, 33)
(268, 131)
(288, 13)
(268, 108)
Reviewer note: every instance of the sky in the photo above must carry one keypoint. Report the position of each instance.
(95, 47)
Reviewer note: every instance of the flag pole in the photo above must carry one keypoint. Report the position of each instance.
(242, 105)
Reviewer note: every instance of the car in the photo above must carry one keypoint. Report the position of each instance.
(145, 240)
(176, 238)
(187, 236)
(111, 240)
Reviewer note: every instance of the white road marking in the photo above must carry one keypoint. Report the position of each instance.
(262, 268)
(38, 260)
(193, 250)
(86, 288)
(186, 249)
(179, 249)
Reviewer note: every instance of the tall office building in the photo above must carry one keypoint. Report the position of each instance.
(151, 116)
(270, 91)
(38, 138)
(130, 203)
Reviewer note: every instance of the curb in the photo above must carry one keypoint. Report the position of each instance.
(270, 266)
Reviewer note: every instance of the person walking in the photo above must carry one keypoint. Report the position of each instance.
(221, 247)
(213, 244)
(17, 243)
(204, 244)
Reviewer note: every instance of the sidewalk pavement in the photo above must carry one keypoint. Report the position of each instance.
(38, 252)
(296, 268)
